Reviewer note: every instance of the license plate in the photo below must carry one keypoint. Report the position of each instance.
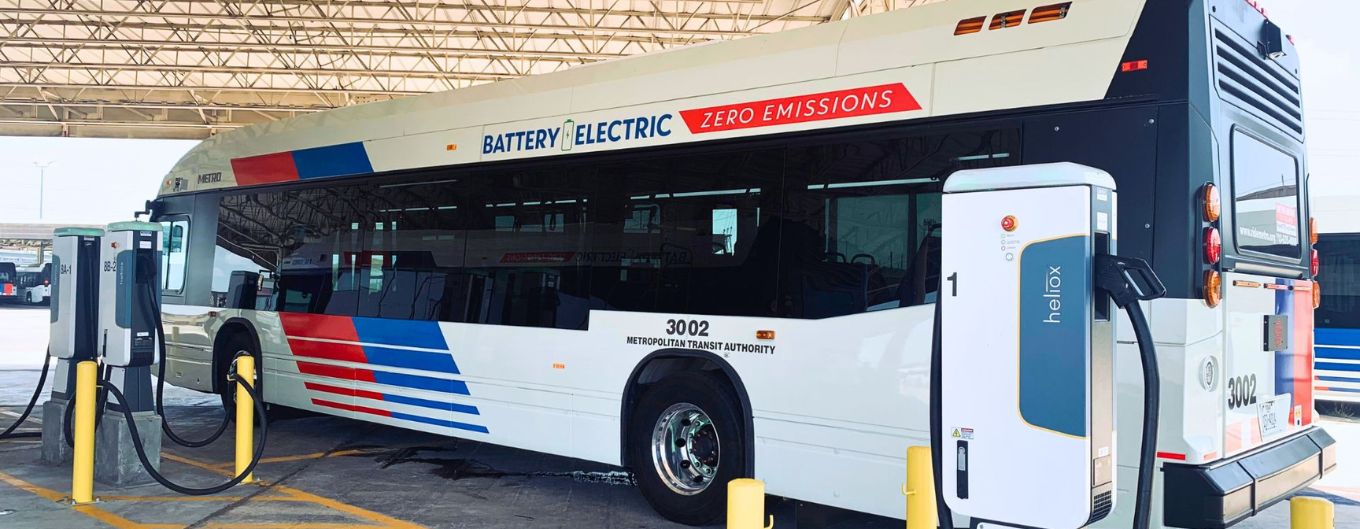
(1273, 414)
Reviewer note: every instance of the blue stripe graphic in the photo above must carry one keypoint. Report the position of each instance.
(332, 160)
(432, 404)
(404, 333)
(1344, 390)
(419, 382)
(1333, 366)
(1339, 379)
(1337, 353)
(422, 360)
(1284, 360)
(1326, 336)
(439, 422)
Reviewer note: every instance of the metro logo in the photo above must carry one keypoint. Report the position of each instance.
(881, 99)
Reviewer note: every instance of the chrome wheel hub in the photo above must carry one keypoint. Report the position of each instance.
(685, 449)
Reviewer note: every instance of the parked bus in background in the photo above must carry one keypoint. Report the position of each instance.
(35, 284)
(9, 282)
(721, 261)
(1338, 318)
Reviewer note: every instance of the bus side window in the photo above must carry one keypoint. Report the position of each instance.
(174, 253)
(863, 231)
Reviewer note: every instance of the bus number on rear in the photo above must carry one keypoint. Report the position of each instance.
(687, 327)
(1241, 391)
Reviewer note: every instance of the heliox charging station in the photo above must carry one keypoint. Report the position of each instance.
(74, 327)
(1027, 344)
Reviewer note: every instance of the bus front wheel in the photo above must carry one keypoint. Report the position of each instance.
(685, 444)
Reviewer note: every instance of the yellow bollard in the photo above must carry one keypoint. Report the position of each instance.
(1311, 513)
(82, 456)
(245, 417)
(746, 504)
(920, 489)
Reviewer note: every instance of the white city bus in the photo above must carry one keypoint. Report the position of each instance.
(721, 261)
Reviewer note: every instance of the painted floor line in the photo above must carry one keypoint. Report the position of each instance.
(384, 520)
(285, 459)
(288, 494)
(92, 511)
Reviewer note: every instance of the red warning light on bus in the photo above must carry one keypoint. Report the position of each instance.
(1010, 223)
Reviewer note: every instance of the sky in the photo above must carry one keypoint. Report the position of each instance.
(89, 181)
(104, 180)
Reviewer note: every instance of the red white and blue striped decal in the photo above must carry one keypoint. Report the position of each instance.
(320, 162)
(1294, 365)
(417, 345)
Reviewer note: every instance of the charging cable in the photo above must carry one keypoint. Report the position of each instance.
(156, 475)
(32, 401)
(1130, 280)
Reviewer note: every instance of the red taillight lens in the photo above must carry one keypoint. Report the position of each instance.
(1317, 263)
(1213, 246)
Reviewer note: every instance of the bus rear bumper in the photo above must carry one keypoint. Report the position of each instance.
(1221, 494)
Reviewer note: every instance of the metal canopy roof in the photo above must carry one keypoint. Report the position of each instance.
(193, 68)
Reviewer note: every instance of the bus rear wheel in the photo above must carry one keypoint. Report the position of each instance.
(685, 443)
(235, 345)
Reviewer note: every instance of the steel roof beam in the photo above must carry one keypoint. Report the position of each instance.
(92, 44)
(283, 22)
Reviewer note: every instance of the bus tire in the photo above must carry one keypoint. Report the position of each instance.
(233, 345)
(685, 443)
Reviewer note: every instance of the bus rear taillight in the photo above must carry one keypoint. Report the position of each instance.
(1316, 264)
(1317, 295)
(1213, 288)
(1312, 231)
(1213, 246)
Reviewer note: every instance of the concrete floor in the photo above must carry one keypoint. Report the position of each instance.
(327, 473)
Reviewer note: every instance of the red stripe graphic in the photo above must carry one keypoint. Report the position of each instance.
(1303, 352)
(351, 407)
(336, 372)
(300, 325)
(344, 391)
(328, 351)
(329, 371)
(264, 169)
(881, 99)
(1171, 455)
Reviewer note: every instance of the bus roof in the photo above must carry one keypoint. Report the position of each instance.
(906, 64)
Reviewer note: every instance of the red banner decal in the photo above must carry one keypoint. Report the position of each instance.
(869, 100)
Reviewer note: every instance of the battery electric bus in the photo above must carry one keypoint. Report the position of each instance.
(721, 261)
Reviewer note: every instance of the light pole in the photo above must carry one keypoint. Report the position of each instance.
(42, 183)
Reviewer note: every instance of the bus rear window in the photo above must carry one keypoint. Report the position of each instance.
(1265, 198)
